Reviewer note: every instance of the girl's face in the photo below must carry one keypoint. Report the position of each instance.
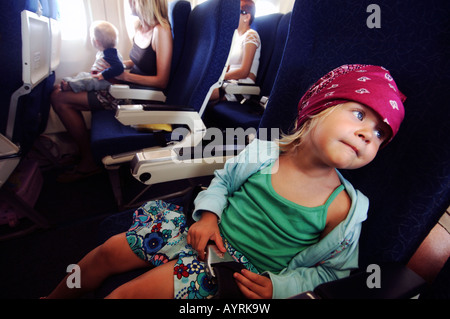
(349, 137)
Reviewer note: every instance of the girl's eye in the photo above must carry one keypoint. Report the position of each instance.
(379, 133)
(359, 114)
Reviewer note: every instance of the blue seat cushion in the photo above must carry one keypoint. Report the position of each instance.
(108, 135)
(231, 114)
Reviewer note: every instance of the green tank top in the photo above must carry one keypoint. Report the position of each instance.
(267, 228)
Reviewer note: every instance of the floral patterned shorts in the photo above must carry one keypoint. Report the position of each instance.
(159, 234)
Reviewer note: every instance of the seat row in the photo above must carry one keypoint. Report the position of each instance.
(202, 42)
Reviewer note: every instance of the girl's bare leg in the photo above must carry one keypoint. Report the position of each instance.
(113, 257)
(156, 283)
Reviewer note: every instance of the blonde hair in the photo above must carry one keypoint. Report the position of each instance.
(291, 141)
(152, 12)
(105, 33)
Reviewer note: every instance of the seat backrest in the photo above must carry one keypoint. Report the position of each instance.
(179, 11)
(29, 70)
(275, 59)
(272, 30)
(209, 33)
(207, 39)
(408, 182)
(267, 27)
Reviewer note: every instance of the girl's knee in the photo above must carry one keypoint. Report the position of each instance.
(120, 293)
(107, 253)
(156, 283)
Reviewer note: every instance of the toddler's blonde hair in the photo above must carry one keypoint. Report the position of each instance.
(105, 33)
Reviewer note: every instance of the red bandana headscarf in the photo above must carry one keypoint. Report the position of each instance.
(370, 85)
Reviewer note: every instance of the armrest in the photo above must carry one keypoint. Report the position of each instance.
(179, 160)
(242, 88)
(136, 114)
(123, 91)
(396, 282)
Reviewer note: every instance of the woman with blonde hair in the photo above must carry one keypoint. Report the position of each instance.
(149, 65)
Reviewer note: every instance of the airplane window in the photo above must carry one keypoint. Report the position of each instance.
(73, 19)
(130, 19)
(264, 7)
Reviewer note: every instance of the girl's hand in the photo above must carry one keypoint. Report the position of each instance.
(254, 286)
(204, 230)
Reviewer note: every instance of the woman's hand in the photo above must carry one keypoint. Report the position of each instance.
(123, 76)
(98, 76)
(204, 230)
(254, 286)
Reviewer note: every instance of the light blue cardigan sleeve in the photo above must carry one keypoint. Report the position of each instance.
(257, 155)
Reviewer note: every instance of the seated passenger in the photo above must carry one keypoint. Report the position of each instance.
(150, 62)
(244, 56)
(281, 209)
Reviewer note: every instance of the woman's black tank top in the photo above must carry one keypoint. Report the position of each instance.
(144, 60)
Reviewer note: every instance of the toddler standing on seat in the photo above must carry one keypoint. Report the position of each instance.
(281, 209)
(108, 61)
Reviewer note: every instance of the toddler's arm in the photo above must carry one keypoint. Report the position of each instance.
(116, 66)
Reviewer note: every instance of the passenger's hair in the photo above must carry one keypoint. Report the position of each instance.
(105, 33)
(249, 6)
(291, 141)
(153, 12)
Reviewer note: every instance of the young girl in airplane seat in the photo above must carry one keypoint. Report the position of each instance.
(281, 209)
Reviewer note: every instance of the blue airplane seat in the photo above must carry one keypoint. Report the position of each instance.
(108, 136)
(408, 182)
(272, 30)
(32, 108)
(207, 38)
(30, 45)
(208, 34)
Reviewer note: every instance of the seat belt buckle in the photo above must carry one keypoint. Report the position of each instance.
(213, 257)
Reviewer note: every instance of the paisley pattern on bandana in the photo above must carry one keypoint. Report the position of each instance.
(370, 85)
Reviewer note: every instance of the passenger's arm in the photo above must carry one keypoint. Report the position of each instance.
(162, 44)
(247, 60)
(128, 64)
